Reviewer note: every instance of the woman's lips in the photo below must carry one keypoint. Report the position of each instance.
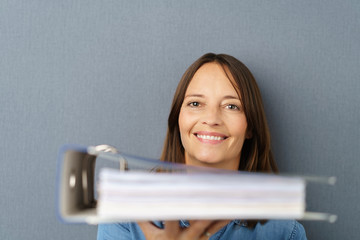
(210, 137)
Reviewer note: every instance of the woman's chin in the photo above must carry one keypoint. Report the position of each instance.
(206, 162)
(213, 162)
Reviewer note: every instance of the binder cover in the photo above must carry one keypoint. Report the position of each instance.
(97, 184)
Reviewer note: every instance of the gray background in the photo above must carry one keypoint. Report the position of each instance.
(91, 72)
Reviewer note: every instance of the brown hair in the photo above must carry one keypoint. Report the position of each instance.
(256, 155)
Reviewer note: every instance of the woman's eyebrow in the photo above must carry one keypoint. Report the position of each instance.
(194, 95)
(202, 96)
(231, 97)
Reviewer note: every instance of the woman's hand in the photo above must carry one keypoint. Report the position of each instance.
(198, 230)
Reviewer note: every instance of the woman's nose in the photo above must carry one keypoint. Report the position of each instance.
(212, 116)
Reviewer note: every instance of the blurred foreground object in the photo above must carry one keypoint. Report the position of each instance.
(97, 184)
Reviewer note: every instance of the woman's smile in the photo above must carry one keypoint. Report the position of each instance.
(210, 137)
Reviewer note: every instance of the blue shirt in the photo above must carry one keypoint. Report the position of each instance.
(271, 230)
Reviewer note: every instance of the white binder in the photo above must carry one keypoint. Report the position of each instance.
(97, 184)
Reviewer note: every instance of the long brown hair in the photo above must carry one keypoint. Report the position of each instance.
(256, 154)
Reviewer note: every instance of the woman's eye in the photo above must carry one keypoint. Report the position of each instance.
(232, 107)
(194, 104)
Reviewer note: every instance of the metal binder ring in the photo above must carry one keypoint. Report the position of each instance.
(106, 148)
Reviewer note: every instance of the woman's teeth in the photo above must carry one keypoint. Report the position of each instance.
(207, 137)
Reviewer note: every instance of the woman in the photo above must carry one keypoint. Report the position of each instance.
(216, 120)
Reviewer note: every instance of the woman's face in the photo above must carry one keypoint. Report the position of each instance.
(212, 122)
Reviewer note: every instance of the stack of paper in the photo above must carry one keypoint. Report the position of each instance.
(134, 196)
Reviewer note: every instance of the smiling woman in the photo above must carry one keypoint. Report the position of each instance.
(216, 120)
(242, 93)
(212, 124)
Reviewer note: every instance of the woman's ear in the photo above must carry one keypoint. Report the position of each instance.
(249, 134)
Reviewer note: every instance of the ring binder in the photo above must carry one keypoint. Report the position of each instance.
(88, 193)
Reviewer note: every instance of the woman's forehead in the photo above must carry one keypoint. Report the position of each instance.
(213, 77)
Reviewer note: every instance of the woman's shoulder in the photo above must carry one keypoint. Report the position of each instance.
(119, 231)
(281, 229)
